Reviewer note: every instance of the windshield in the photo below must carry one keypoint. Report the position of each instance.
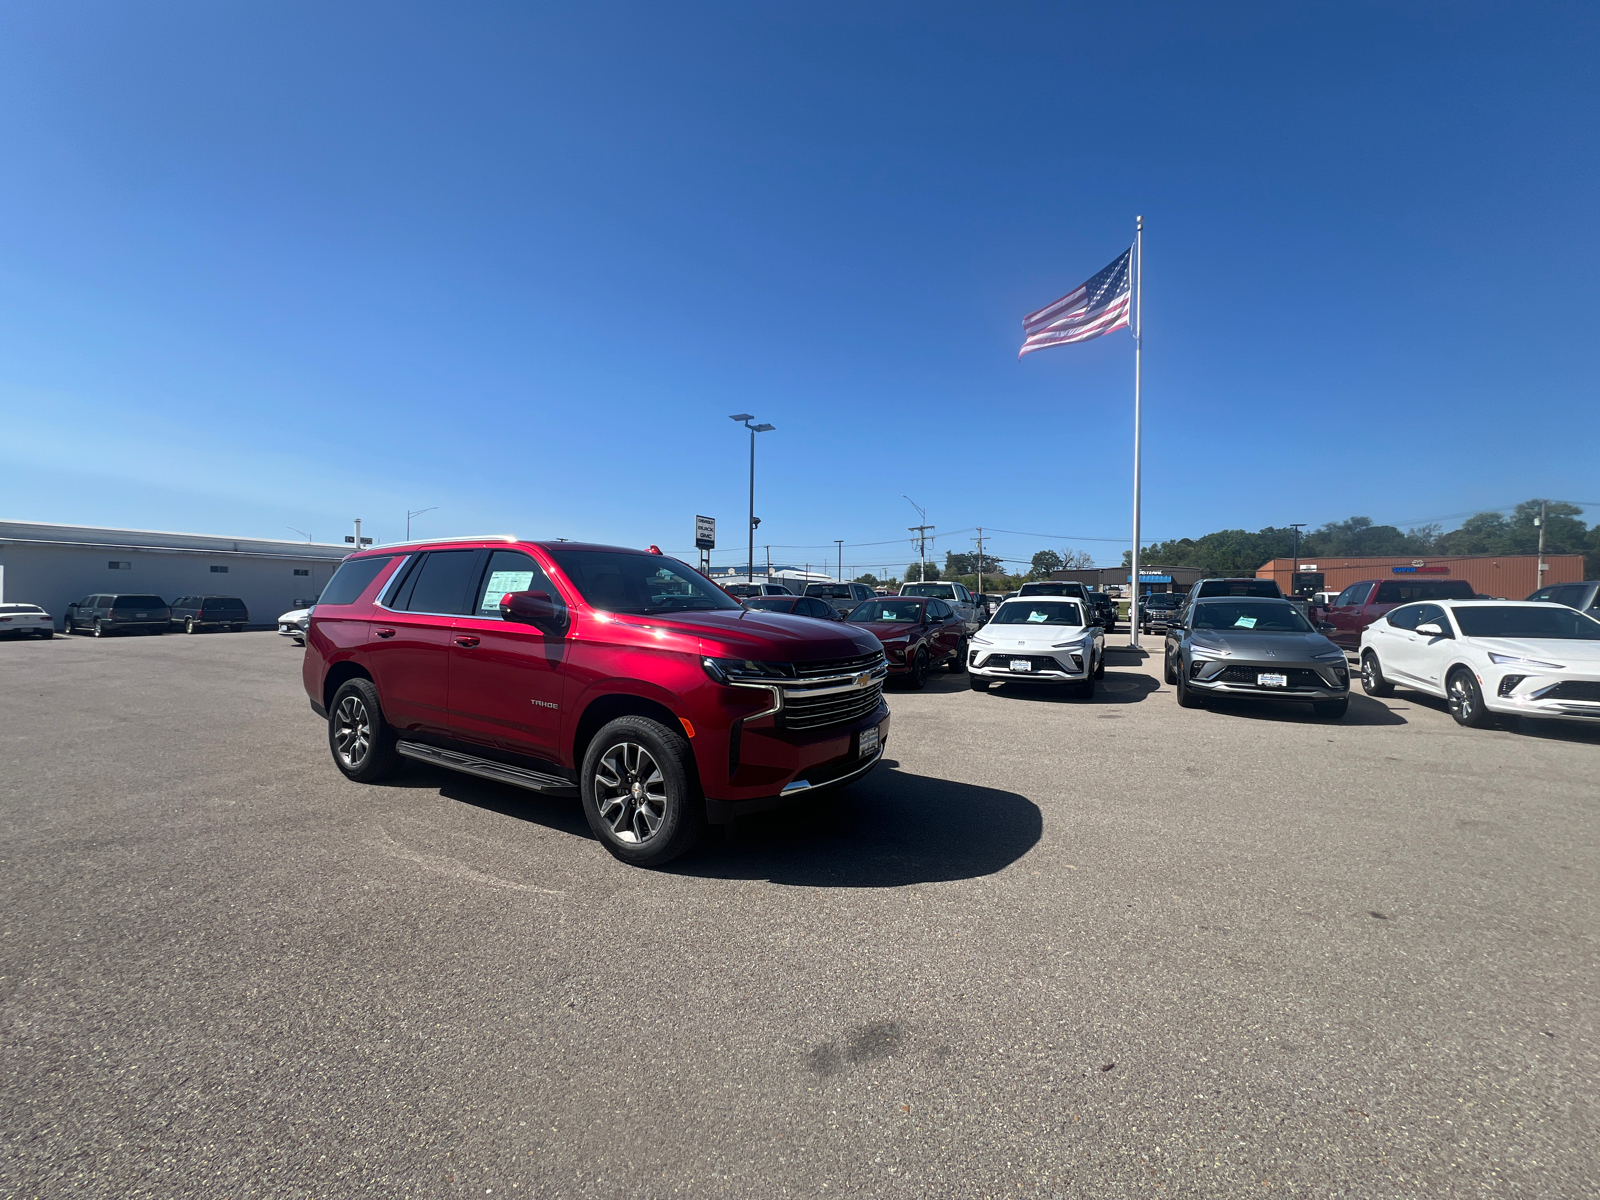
(1247, 616)
(1050, 589)
(941, 591)
(619, 582)
(1238, 587)
(1510, 621)
(138, 602)
(903, 612)
(1161, 600)
(1038, 612)
(771, 603)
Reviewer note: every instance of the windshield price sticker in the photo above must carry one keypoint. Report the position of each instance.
(1245, 623)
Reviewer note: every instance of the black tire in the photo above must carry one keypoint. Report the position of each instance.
(1372, 681)
(641, 796)
(979, 684)
(1466, 699)
(1169, 672)
(47, 633)
(1100, 666)
(189, 626)
(919, 670)
(958, 662)
(100, 630)
(1084, 690)
(1186, 698)
(359, 738)
(1332, 710)
(66, 625)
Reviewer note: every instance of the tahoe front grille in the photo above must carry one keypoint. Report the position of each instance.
(826, 694)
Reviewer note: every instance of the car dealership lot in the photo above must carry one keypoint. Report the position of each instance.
(1053, 946)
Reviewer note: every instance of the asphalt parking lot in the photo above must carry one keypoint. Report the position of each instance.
(1051, 947)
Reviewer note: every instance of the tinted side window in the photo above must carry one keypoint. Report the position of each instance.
(1570, 594)
(352, 578)
(511, 571)
(1405, 617)
(1389, 593)
(442, 583)
(1432, 612)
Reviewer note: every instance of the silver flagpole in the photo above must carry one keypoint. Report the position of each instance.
(1138, 350)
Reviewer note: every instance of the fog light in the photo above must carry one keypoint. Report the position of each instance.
(1509, 683)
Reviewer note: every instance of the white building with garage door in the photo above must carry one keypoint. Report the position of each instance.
(54, 565)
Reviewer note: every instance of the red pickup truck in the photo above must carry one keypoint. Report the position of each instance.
(623, 675)
(1360, 604)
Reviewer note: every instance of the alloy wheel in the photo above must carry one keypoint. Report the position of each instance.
(630, 793)
(352, 732)
(1463, 704)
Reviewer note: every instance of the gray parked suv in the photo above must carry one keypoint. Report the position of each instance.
(1256, 647)
(104, 614)
(1585, 596)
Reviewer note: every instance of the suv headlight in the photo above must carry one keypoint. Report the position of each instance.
(1510, 660)
(742, 670)
(1330, 656)
(1199, 650)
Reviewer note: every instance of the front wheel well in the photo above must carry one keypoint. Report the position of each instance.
(338, 675)
(604, 709)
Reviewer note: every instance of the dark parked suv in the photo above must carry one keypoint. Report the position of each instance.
(623, 675)
(195, 613)
(106, 614)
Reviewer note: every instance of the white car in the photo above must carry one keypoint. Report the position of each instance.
(953, 594)
(1488, 656)
(294, 623)
(1040, 639)
(25, 620)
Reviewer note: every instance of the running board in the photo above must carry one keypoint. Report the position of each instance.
(485, 768)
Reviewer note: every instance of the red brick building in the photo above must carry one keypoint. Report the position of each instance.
(1504, 576)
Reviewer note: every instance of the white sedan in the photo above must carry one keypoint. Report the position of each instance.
(1488, 656)
(1039, 639)
(294, 623)
(25, 620)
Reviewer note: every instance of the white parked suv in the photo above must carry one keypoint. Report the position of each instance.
(1488, 656)
(953, 594)
(1040, 639)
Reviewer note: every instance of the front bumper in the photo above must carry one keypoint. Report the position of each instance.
(996, 664)
(1307, 681)
(772, 767)
(1562, 698)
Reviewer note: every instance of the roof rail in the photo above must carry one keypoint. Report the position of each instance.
(460, 537)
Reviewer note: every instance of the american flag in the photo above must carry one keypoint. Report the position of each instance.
(1090, 309)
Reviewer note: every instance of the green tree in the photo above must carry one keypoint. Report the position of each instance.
(1043, 563)
(869, 579)
(931, 572)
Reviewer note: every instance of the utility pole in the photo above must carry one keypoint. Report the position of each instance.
(1539, 574)
(769, 564)
(1294, 572)
(979, 540)
(922, 537)
(839, 542)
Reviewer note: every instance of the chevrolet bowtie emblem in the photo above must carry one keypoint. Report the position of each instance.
(864, 679)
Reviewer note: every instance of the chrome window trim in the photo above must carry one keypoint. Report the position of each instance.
(388, 586)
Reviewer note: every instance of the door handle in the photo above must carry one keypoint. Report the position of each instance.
(386, 633)
(466, 640)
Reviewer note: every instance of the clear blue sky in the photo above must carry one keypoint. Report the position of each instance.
(282, 265)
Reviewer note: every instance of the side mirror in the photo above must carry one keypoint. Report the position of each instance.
(1431, 629)
(1325, 627)
(533, 608)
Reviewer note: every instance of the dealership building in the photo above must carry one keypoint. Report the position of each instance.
(55, 565)
(1503, 576)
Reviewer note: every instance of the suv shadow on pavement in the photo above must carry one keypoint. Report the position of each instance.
(1364, 710)
(890, 829)
(1117, 687)
(1532, 727)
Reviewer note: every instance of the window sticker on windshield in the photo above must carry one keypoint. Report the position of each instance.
(1036, 615)
(501, 582)
(1245, 623)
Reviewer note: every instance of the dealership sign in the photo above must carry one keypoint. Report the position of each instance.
(1420, 570)
(705, 533)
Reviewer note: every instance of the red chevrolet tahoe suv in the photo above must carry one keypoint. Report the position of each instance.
(623, 675)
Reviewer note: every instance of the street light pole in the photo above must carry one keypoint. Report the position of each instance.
(416, 512)
(745, 419)
(839, 542)
(1294, 571)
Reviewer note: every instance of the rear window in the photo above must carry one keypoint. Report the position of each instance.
(1161, 600)
(771, 603)
(138, 602)
(352, 578)
(224, 604)
(943, 591)
(1051, 589)
(1240, 587)
(840, 591)
(1396, 592)
(20, 608)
